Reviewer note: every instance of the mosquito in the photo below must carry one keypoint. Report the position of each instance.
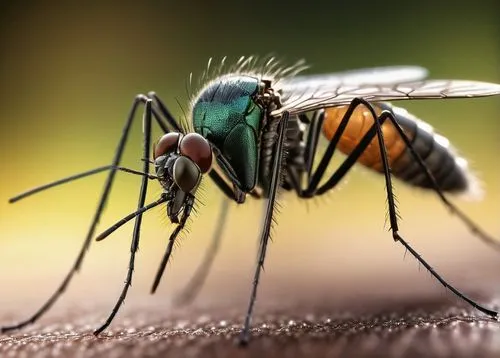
(255, 128)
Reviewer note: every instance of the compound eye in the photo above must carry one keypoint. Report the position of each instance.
(186, 174)
(167, 144)
(197, 148)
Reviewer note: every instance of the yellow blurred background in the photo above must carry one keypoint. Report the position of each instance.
(68, 77)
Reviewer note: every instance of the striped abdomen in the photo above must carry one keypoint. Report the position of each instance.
(450, 170)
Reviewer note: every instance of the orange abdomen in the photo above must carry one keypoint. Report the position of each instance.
(450, 171)
(361, 121)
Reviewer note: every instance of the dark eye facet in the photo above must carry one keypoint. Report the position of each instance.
(167, 143)
(197, 148)
(186, 174)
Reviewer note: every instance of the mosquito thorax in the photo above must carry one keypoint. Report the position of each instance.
(227, 113)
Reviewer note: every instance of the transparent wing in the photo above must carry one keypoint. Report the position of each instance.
(306, 93)
(361, 77)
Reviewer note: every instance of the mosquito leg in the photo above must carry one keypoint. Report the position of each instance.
(312, 187)
(352, 158)
(166, 256)
(191, 290)
(275, 183)
(95, 220)
(471, 225)
(221, 184)
(312, 140)
(73, 178)
(376, 130)
(138, 219)
(165, 112)
(238, 195)
(347, 164)
(394, 219)
(106, 233)
(311, 147)
(327, 156)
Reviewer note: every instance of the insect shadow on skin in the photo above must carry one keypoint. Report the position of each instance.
(255, 129)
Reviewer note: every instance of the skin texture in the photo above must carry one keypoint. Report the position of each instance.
(432, 324)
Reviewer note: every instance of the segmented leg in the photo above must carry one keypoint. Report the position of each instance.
(95, 220)
(185, 215)
(138, 219)
(275, 183)
(312, 141)
(312, 188)
(164, 120)
(334, 179)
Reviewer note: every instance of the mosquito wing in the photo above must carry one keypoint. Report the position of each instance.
(306, 93)
(361, 77)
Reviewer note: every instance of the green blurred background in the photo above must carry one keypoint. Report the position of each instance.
(69, 72)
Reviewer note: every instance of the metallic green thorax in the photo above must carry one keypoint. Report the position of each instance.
(226, 114)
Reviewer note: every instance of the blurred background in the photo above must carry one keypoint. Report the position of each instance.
(69, 72)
